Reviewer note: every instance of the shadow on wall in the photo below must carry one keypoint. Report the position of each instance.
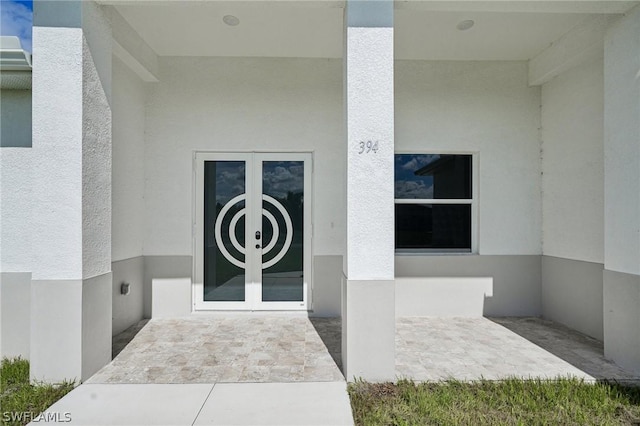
(121, 340)
(442, 296)
(516, 286)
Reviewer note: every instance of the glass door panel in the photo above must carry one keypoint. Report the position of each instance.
(224, 231)
(252, 250)
(282, 231)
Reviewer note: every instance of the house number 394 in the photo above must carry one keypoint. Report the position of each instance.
(368, 147)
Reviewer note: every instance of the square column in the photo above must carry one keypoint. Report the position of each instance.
(621, 281)
(71, 217)
(368, 293)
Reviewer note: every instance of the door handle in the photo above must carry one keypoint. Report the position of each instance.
(257, 246)
(257, 235)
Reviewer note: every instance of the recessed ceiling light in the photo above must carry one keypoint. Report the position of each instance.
(465, 25)
(230, 20)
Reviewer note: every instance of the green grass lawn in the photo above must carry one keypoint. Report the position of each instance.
(20, 400)
(508, 402)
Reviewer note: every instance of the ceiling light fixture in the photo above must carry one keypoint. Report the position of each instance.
(230, 20)
(465, 25)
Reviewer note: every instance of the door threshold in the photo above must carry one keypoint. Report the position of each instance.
(244, 313)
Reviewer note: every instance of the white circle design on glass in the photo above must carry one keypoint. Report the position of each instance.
(218, 230)
(288, 235)
(274, 235)
(232, 230)
(274, 225)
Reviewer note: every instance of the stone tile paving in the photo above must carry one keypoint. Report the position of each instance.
(430, 349)
(213, 349)
(580, 350)
(266, 348)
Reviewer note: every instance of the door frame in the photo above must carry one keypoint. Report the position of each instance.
(253, 271)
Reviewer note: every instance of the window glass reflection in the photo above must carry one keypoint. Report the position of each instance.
(432, 176)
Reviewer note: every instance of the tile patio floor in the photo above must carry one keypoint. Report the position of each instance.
(229, 349)
(429, 349)
(233, 349)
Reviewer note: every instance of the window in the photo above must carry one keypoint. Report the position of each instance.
(435, 204)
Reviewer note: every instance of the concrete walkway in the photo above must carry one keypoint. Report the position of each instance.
(302, 403)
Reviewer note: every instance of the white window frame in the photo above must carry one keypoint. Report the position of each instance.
(475, 187)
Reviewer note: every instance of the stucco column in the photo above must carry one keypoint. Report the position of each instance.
(621, 291)
(368, 294)
(71, 217)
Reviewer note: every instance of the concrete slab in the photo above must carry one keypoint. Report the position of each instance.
(323, 403)
(117, 404)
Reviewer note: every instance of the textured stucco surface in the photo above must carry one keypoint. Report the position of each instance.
(72, 130)
(127, 217)
(487, 108)
(96, 171)
(57, 140)
(573, 164)
(369, 108)
(16, 208)
(622, 145)
(71, 216)
(96, 26)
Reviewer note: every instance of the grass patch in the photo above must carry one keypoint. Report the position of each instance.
(20, 400)
(508, 402)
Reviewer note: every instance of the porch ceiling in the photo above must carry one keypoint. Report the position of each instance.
(504, 30)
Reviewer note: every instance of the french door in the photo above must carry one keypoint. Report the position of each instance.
(252, 231)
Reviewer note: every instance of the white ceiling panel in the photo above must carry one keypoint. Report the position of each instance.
(276, 29)
(494, 36)
(503, 30)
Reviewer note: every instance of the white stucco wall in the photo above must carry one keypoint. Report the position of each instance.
(573, 164)
(241, 104)
(622, 145)
(70, 330)
(57, 137)
(370, 179)
(96, 26)
(127, 219)
(71, 127)
(487, 108)
(16, 206)
(96, 168)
